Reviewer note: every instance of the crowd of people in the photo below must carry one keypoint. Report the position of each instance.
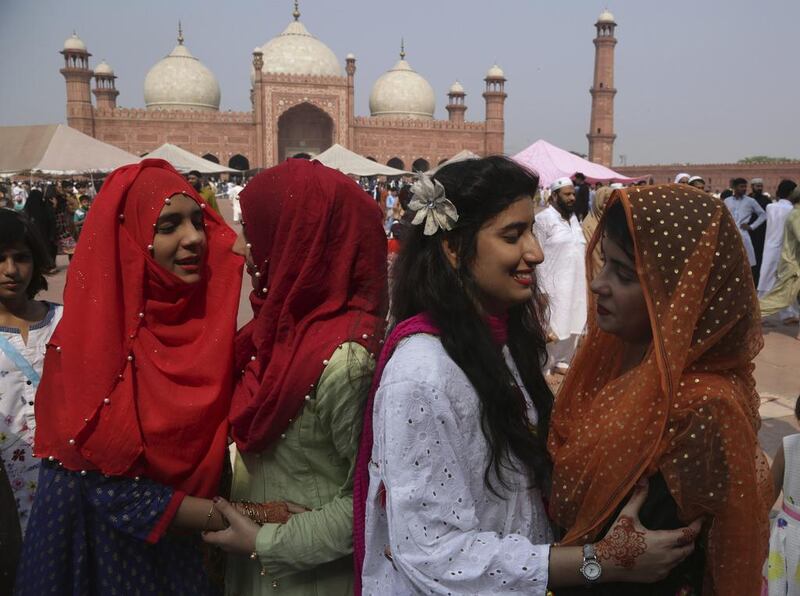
(381, 429)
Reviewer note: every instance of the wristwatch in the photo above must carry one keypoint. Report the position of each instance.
(591, 570)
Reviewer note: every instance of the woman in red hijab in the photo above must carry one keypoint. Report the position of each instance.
(317, 254)
(131, 409)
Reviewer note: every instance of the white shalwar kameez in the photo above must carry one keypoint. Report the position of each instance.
(777, 213)
(743, 208)
(447, 532)
(562, 278)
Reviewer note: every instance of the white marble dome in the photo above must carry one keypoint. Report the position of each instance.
(402, 93)
(73, 42)
(297, 52)
(495, 72)
(181, 82)
(104, 69)
(606, 17)
(456, 88)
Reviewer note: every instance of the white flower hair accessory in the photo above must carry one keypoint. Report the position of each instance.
(431, 205)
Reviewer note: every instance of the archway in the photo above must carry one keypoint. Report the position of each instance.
(369, 157)
(304, 129)
(239, 162)
(421, 165)
(397, 163)
(302, 155)
(211, 157)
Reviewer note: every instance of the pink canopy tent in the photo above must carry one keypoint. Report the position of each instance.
(552, 162)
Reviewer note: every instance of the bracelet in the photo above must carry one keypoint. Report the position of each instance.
(208, 517)
(272, 512)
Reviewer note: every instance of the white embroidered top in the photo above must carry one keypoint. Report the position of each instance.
(448, 533)
(17, 395)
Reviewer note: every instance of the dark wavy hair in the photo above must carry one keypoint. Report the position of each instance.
(16, 228)
(425, 281)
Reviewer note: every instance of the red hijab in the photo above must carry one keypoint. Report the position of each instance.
(138, 375)
(319, 250)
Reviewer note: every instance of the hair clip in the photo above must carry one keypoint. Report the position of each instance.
(431, 205)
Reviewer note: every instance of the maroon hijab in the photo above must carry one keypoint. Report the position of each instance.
(319, 250)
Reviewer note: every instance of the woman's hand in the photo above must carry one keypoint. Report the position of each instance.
(630, 552)
(239, 537)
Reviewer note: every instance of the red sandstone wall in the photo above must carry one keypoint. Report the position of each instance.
(717, 176)
(432, 140)
(222, 134)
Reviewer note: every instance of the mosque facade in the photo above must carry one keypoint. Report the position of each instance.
(302, 103)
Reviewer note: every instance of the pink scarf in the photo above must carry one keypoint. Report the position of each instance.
(420, 323)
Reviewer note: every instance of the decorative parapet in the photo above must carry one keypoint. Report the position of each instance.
(271, 77)
(173, 115)
(411, 123)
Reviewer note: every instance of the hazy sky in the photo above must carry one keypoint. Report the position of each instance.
(697, 80)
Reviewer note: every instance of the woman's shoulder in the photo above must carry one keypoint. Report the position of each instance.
(350, 365)
(421, 359)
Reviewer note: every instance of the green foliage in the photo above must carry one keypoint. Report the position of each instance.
(764, 159)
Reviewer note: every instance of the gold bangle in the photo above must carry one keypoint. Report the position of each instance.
(208, 517)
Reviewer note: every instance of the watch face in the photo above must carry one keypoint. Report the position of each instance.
(591, 570)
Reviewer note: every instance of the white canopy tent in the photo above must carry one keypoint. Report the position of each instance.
(348, 162)
(58, 150)
(462, 155)
(186, 161)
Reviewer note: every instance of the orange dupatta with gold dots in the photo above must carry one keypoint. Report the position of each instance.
(690, 408)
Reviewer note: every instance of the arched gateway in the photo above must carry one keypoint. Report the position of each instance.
(304, 128)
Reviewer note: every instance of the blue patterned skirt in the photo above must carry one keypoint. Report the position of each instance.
(88, 535)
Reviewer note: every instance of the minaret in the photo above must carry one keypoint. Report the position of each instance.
(105, 90)
(350, 69)
(601, 127)
(456, 106)
(258, 107)
(77, 74)
(495, 96)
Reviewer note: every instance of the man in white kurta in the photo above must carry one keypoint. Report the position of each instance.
(562, 275)
(777, 213)
(743, 208)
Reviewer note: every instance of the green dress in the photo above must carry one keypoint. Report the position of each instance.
(787, 287)
(313, 466)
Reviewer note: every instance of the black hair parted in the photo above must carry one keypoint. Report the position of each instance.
(616, 228)
(425, 281)
(15, 229)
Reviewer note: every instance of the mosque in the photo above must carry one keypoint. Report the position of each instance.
(302, 103)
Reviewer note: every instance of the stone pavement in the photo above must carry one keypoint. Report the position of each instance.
(777, 370)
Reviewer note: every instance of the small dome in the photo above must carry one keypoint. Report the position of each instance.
(402, 93)
(351, 56)
(74, 42)
(456, 88)
(606, 17)
(495, 72)
(104, 69)
(297, 52)
(181, 82)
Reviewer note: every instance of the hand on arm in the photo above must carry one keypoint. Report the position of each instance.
(629, 552)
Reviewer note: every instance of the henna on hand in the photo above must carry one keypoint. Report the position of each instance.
(623, 544)
(687, 537)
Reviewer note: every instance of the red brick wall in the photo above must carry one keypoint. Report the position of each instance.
(718, 176)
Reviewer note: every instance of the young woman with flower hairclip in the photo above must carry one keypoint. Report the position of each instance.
(453, 463)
